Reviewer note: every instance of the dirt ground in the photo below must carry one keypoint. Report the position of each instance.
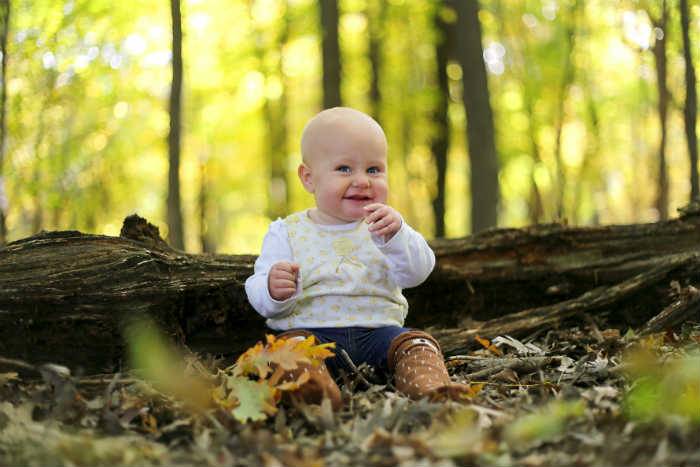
(584, 395)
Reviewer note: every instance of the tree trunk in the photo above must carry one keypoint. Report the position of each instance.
(65, 297)
(567, 80)
(4, 31)
(659, 51)
(275, 122)
(174, 208)
(440, 142)
(480, 127)
(376, 12)
(690, 109)
(331, 54)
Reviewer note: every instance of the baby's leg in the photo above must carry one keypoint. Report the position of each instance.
(320, 383)
(419, 369)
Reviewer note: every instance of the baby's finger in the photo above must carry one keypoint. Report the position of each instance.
(287, 266)
(373, 207)
(386, 230)
(377, 215)
(379, 223)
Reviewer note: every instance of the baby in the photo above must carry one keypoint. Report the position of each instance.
(336, 271)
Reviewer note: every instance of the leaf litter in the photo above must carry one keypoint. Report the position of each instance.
(569, 397)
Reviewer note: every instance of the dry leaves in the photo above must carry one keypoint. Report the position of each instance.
(566, 399)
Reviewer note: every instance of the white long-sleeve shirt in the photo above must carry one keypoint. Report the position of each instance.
(406, 257)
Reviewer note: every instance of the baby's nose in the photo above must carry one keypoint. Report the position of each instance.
(361, 180)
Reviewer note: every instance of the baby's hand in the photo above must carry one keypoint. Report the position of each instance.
(383, 220)
(282, 280)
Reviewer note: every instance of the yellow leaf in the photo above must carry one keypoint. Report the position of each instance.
(487, 344)
(256, 399)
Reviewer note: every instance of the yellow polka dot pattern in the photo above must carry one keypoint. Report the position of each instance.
(345, 279)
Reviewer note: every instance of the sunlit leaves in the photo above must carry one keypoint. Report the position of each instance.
(256, 398)
(460, 436)
(164, 366)
(544, 424)
(662, 388)
(249, 390)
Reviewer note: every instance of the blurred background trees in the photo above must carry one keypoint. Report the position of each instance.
(497, 112)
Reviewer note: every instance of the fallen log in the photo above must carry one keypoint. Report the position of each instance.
(65, 297)
(526, 322)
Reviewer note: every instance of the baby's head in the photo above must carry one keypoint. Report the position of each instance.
(344, 164)
(332, 128)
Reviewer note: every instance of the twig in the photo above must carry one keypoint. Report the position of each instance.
(18, 363)
(520, 365)
(349, 361)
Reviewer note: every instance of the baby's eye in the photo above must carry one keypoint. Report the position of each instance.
(343, 168)
(373, 170)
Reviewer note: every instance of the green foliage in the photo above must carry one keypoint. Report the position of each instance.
(545, 424)
(88, 84)
(459, 437)
(662, 387)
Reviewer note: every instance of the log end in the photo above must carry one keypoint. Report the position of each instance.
(139, 229)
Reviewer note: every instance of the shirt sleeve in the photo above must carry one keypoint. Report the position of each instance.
(410, 258)
(275, 248)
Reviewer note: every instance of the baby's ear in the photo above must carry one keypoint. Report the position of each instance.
(304, 173)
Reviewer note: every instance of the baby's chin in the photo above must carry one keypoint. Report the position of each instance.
(326, 218)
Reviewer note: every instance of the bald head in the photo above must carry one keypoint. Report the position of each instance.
(336, 127)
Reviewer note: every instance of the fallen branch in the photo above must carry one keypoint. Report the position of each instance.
(491, 365)
(522, 323)
(681, 310)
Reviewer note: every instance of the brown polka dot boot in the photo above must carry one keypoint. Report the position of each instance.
(419, 369)
(320, 383)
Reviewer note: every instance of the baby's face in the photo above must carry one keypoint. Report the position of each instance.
(345, 169)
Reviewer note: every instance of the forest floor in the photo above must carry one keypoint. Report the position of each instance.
(582, 395)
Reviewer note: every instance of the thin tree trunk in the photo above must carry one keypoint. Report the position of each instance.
(659, 51)
(282, 130)
(592, 146)
(5, 8)
(376, 12)
(38, 175)
(480, 126)
(205, 238)
(523, 66)
(690, 110)
(566, 81)
(441, 137)
(330, 53)
(174, 208)
(536, 206)
(274, 116)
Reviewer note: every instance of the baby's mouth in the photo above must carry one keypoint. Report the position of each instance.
(359, 198)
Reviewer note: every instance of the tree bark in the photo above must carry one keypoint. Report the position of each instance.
(440, 142)
(376, 13)
(65, 297)
(690, 109)
(331, 54)
(174, 207)
(569, 72)
(659, 50)
(5, 6)
(480, 127)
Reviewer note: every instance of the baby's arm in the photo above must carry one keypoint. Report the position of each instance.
(410, 258)
(259, 288)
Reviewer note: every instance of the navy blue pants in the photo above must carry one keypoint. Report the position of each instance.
(363, 345)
